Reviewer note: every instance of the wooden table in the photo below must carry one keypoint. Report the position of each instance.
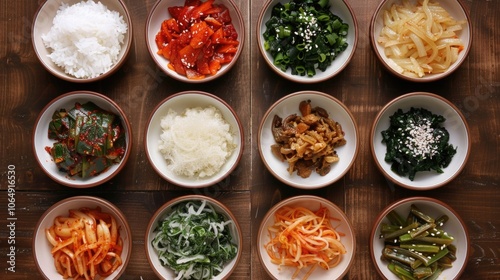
(250, 87)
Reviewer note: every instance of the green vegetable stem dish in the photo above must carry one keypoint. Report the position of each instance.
(417, 238)
(420, 141)
(193, 237)
(307, 41)
(82, 139)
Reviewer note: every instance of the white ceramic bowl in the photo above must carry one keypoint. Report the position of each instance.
(41, 140)
(339, 8)
(164, 272)
(159, 13)
(455, 124)
(290, 105)
(455, 227)
(42, 248)
(42, 23)
(180, 102)
(454, 7)
(343, 225)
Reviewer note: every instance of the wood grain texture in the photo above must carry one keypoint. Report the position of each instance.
(250, 88)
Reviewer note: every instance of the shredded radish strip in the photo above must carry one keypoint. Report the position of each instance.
(420, 38)
(303, 238)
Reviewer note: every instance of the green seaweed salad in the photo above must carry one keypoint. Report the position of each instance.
(417, 141)
(304, 35)
(194, 240)
(88, 140)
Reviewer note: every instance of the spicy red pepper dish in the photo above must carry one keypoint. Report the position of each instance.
(198, 39)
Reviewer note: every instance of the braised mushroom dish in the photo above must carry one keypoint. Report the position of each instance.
(307, 142)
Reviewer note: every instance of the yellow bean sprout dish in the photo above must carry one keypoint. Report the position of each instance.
(420, 38)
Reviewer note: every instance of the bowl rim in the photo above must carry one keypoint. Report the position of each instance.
(116, 212)
(292, 78)
(298, 198)
(427, 79)
(169, 203)
(321, 94)
(106, 176)
(378, 119)
(393, 205)
(220, 72)
(127, 45)
(239, 129)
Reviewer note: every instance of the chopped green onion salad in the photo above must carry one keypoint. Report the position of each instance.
(194, 240)
(417, 141)
(304, 35)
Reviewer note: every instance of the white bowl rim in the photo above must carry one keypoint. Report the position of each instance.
(127, 45)
(323, 95)
(295, 78)
(392, 177)
(239, 129)
(297, 199)
(170, 203)
(224, 69)
(108, 176)
(427, 78)
(417, 199)
(116, 212)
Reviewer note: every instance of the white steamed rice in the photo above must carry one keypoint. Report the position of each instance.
(85, 38)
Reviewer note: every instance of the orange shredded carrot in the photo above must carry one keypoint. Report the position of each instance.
(302, 238)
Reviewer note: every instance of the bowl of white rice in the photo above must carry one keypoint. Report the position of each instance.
(194, 139)
(82, 40)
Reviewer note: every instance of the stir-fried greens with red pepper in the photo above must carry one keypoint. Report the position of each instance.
(88, 140)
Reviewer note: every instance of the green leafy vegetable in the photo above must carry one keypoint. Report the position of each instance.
(194, 240)
(417, 141)
(89, 140)
(419, 248)
(304, 35)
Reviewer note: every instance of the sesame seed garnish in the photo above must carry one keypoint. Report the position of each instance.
(420, 139)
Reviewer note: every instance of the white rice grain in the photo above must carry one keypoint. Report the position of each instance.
(85, 38)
